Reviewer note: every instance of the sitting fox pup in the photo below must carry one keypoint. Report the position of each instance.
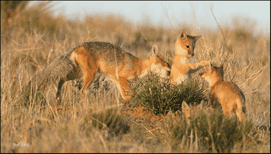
(184, 61)
(225, 93)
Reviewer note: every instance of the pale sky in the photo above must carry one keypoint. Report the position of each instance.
(194, 13)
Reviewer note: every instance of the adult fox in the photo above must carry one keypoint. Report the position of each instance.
(89, 58)
(184, 62)
(225, 93)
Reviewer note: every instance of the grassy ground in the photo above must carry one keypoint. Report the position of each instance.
(31, 38)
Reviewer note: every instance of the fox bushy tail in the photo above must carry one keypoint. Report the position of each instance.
(58, 70)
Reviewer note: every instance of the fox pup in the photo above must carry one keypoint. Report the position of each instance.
(191, 111)
(225, 93)
(89, 58)
(183, 61)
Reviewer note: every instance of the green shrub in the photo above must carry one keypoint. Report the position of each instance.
(160, 96)
(215, 132)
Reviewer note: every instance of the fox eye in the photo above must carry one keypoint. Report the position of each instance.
(187, 46)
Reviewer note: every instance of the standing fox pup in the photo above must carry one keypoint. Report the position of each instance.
(225, 93)
(184, 62)
(89, 58)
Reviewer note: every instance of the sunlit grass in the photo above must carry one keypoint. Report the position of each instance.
(104, 123)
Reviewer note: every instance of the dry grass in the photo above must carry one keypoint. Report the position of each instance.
(29, 43)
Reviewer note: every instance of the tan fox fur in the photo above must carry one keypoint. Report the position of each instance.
(225, 93)
(89, 58)
(183, 61)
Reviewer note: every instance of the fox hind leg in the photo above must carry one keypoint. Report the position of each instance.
(88, 78)
(227, 110)
(58, 93)
(240, 113)
(124, 87)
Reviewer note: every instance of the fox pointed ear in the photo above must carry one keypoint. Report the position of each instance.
(221, 70)
(201, 105)
(185, 106)
(210, 67)
(212, 63)
(183, 35)
(154, 50)
(197, 37)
